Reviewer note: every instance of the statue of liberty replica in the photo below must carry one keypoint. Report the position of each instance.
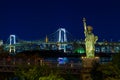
(90, 40)
(90, 58)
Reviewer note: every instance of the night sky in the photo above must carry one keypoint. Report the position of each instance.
(33, 20)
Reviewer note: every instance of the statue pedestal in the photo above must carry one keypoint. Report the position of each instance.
(87, 64)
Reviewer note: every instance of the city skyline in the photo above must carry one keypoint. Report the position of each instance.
(33, 20)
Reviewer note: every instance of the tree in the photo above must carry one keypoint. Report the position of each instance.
(51, 77)
(108, 71)
(35, 72)
(116, 59)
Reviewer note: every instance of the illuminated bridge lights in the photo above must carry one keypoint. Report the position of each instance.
(54, 46)
(15, 45)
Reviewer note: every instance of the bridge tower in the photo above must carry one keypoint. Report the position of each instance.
(11, 44)
(62, 39)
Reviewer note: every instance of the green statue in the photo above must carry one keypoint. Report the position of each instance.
(90, 40)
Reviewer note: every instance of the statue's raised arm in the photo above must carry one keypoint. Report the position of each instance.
(85, 27)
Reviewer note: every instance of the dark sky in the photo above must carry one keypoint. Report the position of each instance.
(33, 20)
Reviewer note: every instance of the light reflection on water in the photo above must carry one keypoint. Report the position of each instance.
(76, 60)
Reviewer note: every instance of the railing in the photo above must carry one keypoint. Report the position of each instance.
(10, 65)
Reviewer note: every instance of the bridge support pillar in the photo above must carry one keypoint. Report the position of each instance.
(62, 37)
(12, 48)
(62, 47)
